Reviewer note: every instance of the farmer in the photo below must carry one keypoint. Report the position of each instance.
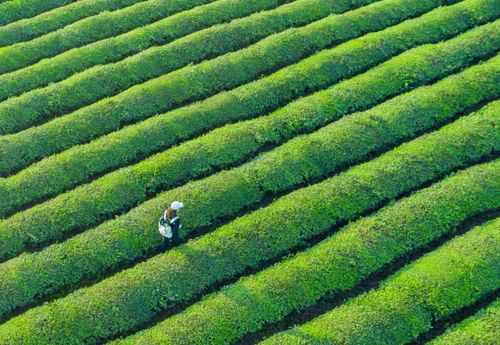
(169, 225)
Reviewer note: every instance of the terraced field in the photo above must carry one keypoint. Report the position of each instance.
(338, 161)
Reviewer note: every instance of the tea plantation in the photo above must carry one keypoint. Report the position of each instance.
(338, 161)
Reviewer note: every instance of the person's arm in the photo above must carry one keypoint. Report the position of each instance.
(175, 225)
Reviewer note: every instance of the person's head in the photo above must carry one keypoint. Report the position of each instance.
(174, 207)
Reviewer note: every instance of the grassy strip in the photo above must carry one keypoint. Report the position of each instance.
(221, 73)
(83, 125)
(81, 163)
(442, 282)
(11, 11)
(91, 204)
(116, 48)
(202, 80)
(319, 71)
(480, 329)
(134, 296)
(88, 30)
(28, 29)
(336, 265)
(43, 273)
(104, 81)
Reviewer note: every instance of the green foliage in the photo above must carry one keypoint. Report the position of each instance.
(442, 282)
(264, 118)
(116, 48)
(11, 11)
(19, 150)
(28, 29)
(215, 75)
(99, 82)
(88, 30)
(480, 329)
(295, 163)
(88, 205)
(77, 165)
(335, 265)
(134, 296)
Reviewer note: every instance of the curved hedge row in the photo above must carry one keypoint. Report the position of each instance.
(11, 11)
(88, 205)
(212, 76)
(454, 276)
(480, 329)
(133, 105)
(337, 264)
(58, 173)
(88, 30)
(134, 296)
(115, 48)
(104, 81)
(27, 278)
(28, 29)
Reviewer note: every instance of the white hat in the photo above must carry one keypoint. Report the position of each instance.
(176, 205)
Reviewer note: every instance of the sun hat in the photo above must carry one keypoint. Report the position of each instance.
(176, 205)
